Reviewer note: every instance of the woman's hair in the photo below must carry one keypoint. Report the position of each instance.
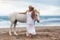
(32, 8)
(33, 12)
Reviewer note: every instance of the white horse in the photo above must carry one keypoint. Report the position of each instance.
(17, 17)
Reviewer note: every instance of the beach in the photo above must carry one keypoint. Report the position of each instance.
(43, 33)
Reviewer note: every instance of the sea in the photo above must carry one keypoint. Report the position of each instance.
(44, 21)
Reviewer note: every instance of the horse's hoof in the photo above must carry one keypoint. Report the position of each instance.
(10, 33)
(15, 33)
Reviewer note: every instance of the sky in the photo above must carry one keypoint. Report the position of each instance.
(45, 7)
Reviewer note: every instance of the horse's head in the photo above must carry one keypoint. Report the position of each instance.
(37, 18)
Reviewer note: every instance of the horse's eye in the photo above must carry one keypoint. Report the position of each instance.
(36, 15)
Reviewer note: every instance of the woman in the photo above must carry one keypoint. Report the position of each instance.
(31, 17)
(30, 22)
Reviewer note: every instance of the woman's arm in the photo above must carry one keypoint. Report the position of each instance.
(23, 12)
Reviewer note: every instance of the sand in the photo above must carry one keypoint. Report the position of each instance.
(43, 33)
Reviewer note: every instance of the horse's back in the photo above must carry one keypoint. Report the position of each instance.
(18, 17)
(21, 17)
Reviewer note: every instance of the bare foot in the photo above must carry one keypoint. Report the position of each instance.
(28, 35)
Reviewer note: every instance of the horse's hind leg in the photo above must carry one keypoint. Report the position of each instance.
(14, 28)
(10, 30)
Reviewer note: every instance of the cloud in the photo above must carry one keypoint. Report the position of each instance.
(57, 11)
(47, 9)
(50, 2)
(7, 7)
(50, 10)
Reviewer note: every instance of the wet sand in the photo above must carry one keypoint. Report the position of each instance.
(43, 33)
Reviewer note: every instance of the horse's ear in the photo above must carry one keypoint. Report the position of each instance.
(37, 11)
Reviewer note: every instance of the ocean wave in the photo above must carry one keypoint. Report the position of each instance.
(43, 19)
(51, 19)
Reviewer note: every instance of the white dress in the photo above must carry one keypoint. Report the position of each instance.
(30, 24)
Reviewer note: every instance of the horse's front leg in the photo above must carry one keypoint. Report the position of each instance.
(14, 28)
